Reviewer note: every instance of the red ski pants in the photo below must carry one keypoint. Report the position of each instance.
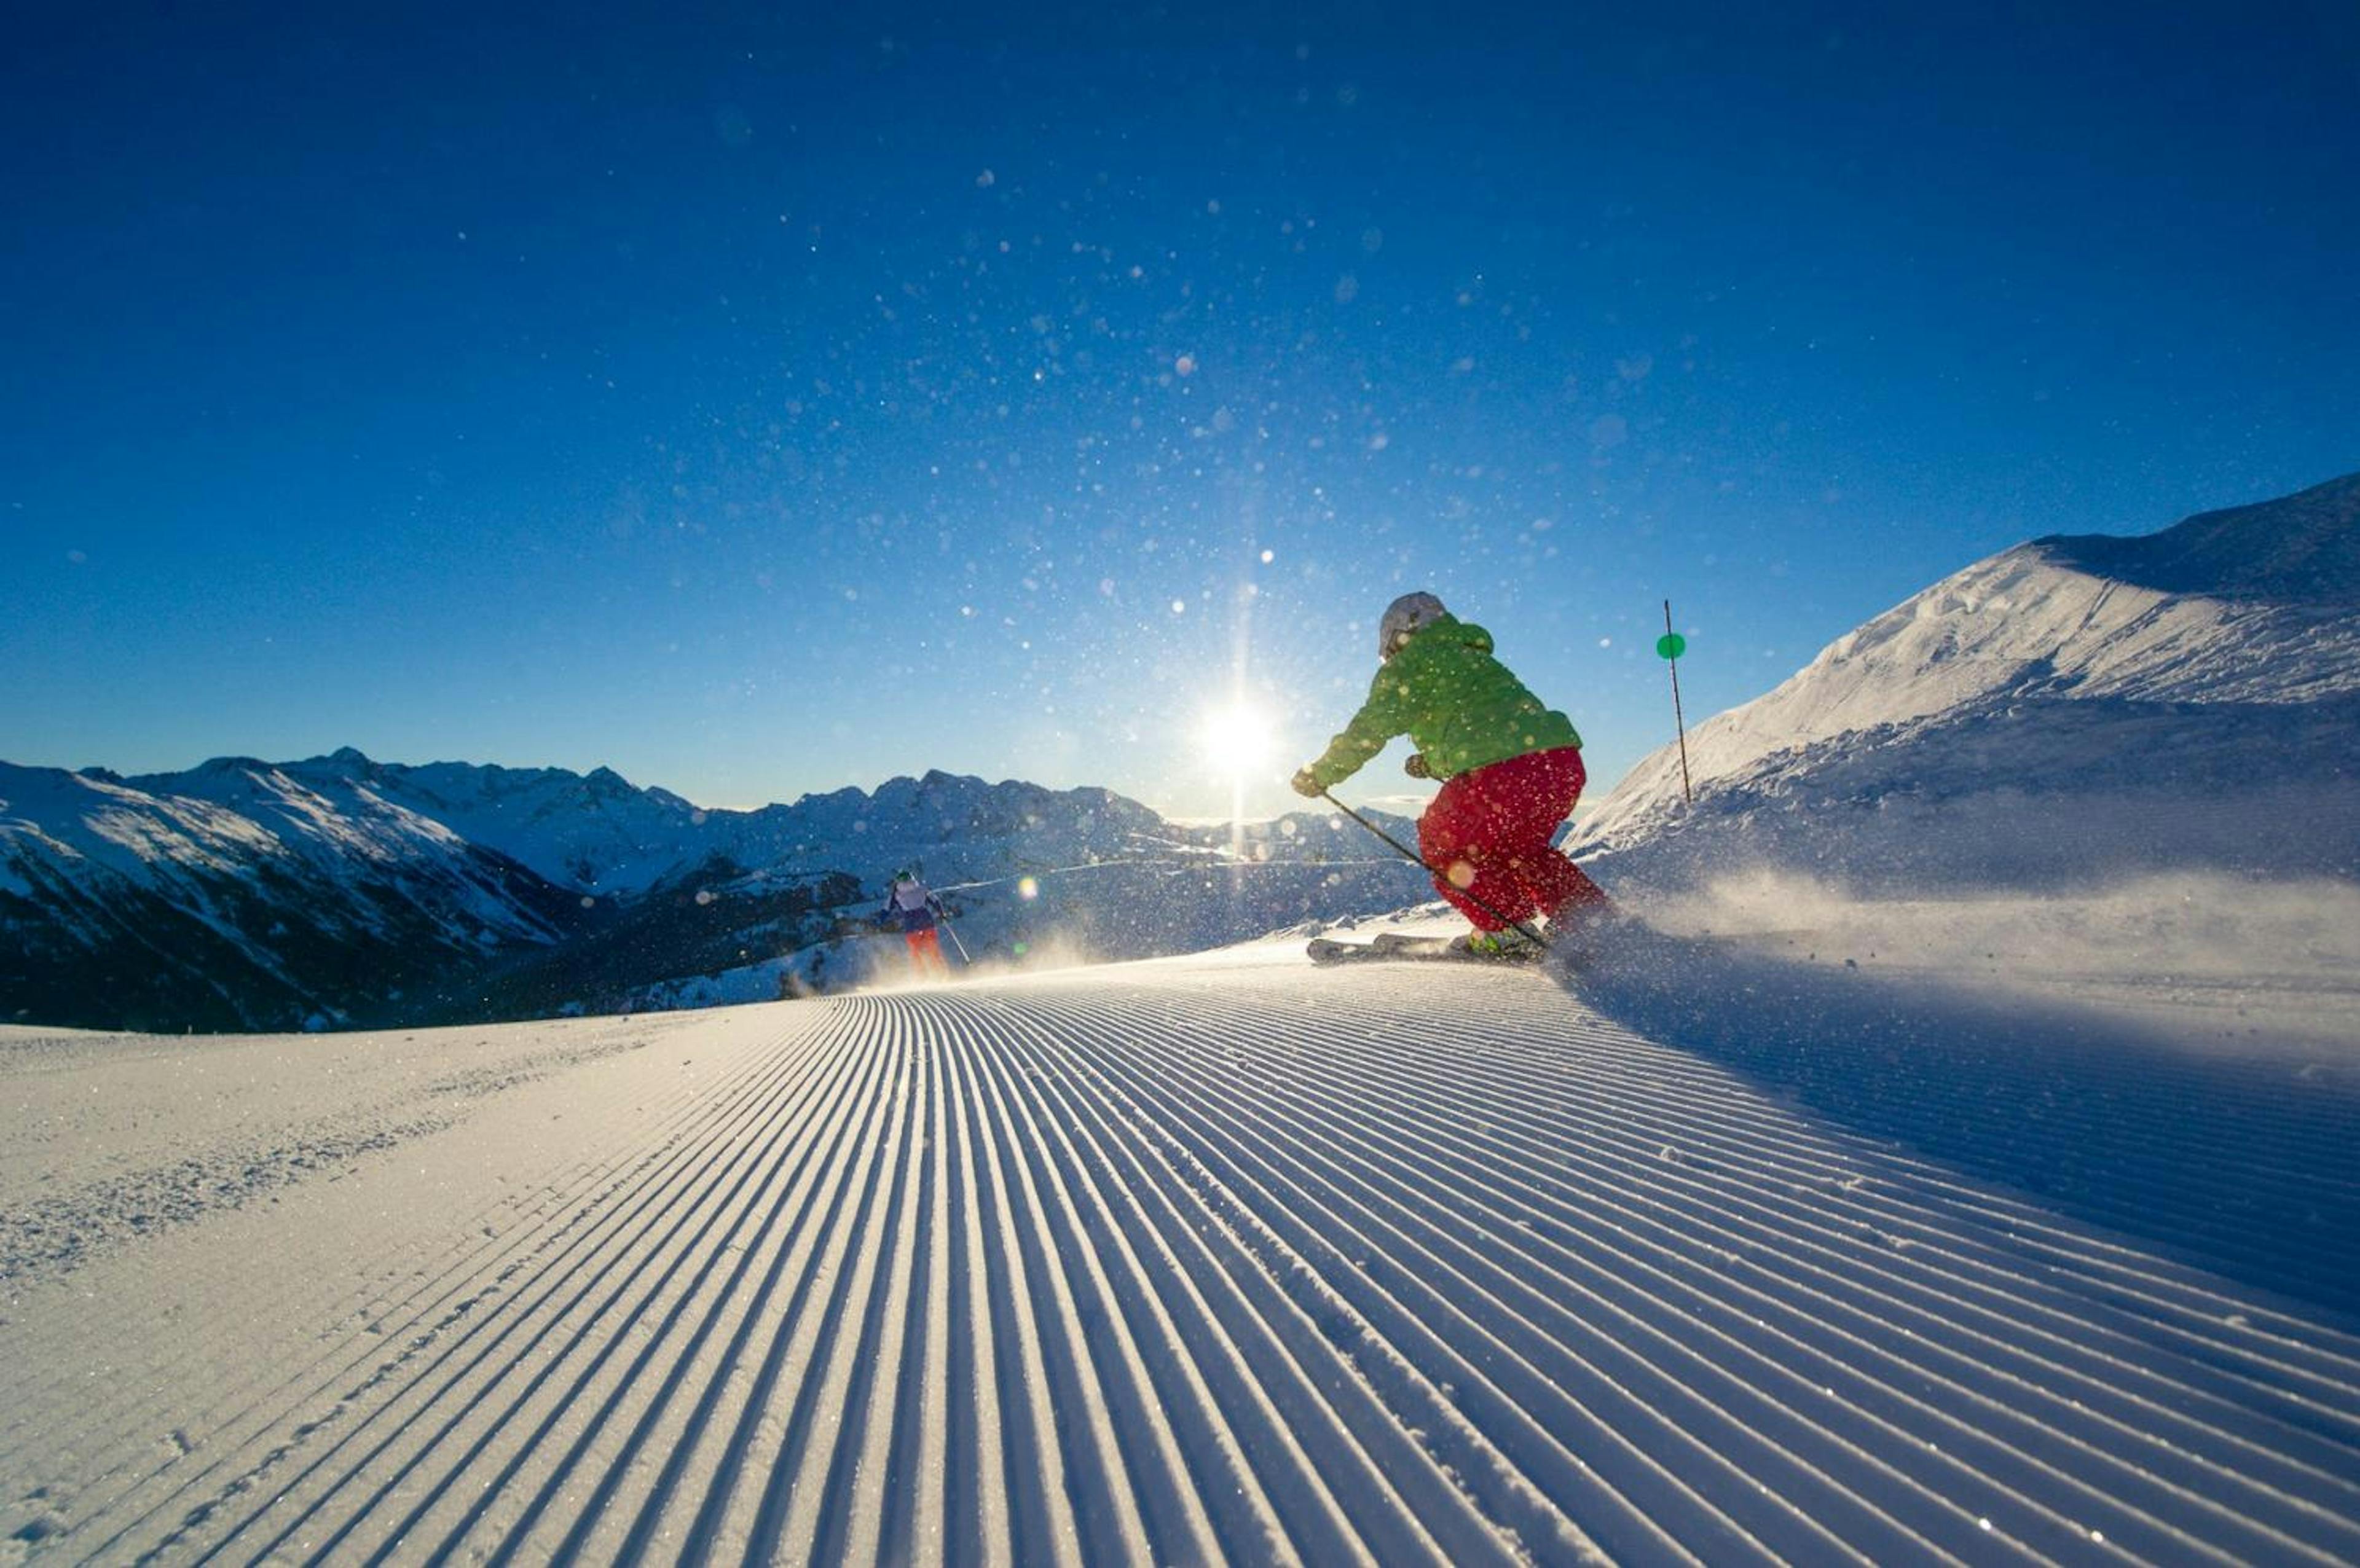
(1487, 837)
(927, 951)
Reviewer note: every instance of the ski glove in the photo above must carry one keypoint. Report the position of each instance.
(1414, 766)
(1305, 783)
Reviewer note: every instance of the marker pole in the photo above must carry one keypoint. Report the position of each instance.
(1670, 649)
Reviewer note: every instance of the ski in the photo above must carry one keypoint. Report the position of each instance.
(1396, 946)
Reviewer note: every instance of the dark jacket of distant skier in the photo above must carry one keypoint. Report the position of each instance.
(912, 907)
(1509, 766)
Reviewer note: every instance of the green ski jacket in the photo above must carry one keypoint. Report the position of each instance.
(1460, 705)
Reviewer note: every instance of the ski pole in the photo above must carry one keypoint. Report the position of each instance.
(1412, 856)
(955, 943)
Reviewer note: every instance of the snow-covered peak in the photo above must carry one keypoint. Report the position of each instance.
(327, 817)
(599, 833)
(593, 831)
(2256, 608)
(77, 819)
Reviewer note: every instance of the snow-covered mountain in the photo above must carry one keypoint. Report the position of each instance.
(2050, 712)
(597, 834)
(247, 894)
(247, 898)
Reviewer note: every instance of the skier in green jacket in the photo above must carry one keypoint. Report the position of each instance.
(1511, 769)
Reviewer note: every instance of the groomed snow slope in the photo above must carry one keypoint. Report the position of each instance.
(1221, 1258)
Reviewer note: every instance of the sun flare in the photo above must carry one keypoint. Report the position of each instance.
(1236, 740)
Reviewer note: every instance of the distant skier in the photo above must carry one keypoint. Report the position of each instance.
(1511, 769)
(911, 906)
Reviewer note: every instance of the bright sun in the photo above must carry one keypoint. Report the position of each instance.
(1236, 740)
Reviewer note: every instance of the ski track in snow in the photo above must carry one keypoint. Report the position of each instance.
(1220, 1258)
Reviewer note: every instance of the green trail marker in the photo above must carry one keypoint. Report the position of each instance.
(1668, 648)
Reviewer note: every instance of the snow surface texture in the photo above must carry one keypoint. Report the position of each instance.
(2072, 708)
(1224, 1257)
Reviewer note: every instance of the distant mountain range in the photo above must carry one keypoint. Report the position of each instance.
(2072, 708)
(339, 890)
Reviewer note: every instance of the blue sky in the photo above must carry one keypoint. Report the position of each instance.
(757, 404)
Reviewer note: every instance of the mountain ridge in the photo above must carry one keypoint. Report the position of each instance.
(338, 890)
(2304, 548)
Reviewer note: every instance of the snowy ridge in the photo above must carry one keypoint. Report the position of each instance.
(2219, 658)
(96, 833)
(589, 832)
(251, 899)
(1210, 1260)
(334, 833)
(250, 895)
(2304, 548)
(599, 833)
(240, 821)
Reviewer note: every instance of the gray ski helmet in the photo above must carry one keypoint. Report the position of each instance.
(1404, 617)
